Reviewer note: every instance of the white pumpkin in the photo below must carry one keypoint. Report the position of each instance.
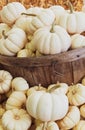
(80, 125)
(47, 106)
(77, 41)
(53, 41)
(5, 27)
(16, 119)
(25, 19)
(35, 88)
(17, 99)
(71, 119)
(23, 22)
(73, 21)
(5, 81)
(11, 12)
(13, 41)
(47, 126)
(34, 10)
(19, 84)
(76, 94)
(58, 88)
(25, 53)
(58, 11)
(44, 19)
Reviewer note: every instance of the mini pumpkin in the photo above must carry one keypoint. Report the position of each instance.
(13, 41)
(59, 88)
(24, 21)
(11, 12)
(58, 11)
(69, 121)
(5, 81)
(16, 119)
(47, 106)
(73, 21)
(80, 125)
(34, 10)
(47, 126)
(44, 19)
(77, 41)
(19, 84)
(53, 41)
(25, 53)
(76, 94)
(17, 99)
(34, 89)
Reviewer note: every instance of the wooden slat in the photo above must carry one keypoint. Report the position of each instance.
(68, 56)
(62, 72)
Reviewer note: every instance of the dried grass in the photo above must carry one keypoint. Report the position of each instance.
(77, 4)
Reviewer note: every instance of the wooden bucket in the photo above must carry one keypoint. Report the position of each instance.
(66, 67)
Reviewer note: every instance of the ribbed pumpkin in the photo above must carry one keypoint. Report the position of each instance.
(51, 41)
(11, 12)
(12, 41)
(47, 106)
(16, 119)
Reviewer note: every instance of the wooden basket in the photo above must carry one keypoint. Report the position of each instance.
(66, 67)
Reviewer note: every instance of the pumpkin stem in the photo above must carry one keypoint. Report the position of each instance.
(39, 87)
(51, 30)
(16, 117)
(74, 92)
(54, 87)
(4, 35)
(70, 6)
(28, 14)
(44, 126)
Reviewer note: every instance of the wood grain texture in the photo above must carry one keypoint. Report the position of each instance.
(66, 67)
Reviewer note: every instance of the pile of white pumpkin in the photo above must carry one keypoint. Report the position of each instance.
(58, 107)
(38, 31)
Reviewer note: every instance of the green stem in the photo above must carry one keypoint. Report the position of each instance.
(57, 85)
(39, 87)
(28, 14)
(4, 35)
(70, 7)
